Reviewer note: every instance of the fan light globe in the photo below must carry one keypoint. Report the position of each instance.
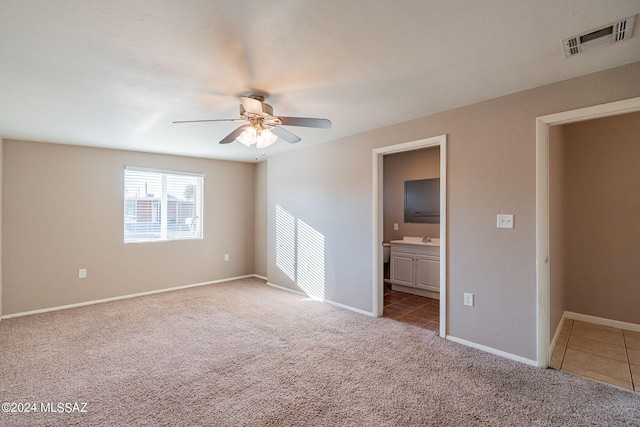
(262, 139)
(248, 137)
(265, 139)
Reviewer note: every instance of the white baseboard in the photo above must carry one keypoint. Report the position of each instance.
(337, 304)
(282, 288)
(601, 321)
(348, 307)
(590, 319)
(556, 335)
(139, 294)
(493, 351)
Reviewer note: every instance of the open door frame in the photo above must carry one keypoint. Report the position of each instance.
(378, 233)
(543, 285)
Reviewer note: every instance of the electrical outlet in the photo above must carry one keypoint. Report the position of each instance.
(82, 273)
(395, 226)
(468, 299)
(226, 257)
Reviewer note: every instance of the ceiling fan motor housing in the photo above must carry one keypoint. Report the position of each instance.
(266, 110)
(254, 106)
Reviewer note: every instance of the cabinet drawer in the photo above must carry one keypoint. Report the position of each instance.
(416, 249)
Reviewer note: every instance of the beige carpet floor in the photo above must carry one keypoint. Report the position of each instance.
(244, 354)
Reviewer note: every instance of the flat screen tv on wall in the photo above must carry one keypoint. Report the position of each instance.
(422, 201)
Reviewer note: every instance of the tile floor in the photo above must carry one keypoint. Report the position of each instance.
(413, 309)
(602, 353)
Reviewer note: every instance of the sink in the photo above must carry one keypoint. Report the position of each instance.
(417, 241)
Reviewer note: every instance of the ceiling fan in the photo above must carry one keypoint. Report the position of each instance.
(263, 128)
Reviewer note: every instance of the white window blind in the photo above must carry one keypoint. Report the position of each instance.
(162, 205)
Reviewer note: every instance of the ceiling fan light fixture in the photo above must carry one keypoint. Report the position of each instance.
(248, 137)
(265, 138)
(262, 138)
(263, 128)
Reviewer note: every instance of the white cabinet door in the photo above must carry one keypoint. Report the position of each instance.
(428, 274)
(402, 269)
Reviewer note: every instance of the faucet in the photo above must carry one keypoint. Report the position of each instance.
(426, 239)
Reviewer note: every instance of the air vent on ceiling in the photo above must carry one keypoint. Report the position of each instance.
(608, 34)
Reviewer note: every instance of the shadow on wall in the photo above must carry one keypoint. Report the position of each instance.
(300, 253)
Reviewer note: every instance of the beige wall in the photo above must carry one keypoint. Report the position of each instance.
(491, 169)
(557, 297)
(63, 210)
(603, 217)
(260, 238)
(398, 168)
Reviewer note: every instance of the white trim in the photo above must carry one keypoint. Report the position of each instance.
(491, 350)
(557, 333)
(542, 244)
(283, 288)
(337, 304)
(260, 277)
(139, 294)
(443, 236)
(348, 307)
(378, 285)
(542, 206)
(602, 321)
(599, 111)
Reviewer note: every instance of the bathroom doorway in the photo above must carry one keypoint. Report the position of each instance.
(378, 205)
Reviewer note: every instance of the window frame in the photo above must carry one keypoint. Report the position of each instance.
(165, 235)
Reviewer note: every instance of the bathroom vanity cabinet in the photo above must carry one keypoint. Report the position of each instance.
(415, 268)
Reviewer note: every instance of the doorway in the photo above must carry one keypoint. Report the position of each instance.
(543, 279)
(378, 233)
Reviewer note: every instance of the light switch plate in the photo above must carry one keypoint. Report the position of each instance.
(468, 299)
(505, 221)
(82, 273)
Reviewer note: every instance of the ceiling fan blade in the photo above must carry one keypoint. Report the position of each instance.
(210, 120)
(306, 122)
(233, 135)
(251, 105)
(285, 134)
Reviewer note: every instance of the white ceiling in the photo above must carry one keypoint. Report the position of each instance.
(117, 73)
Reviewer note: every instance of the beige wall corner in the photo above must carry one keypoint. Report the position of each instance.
(260, 240)
(326, 191)
(63, 211)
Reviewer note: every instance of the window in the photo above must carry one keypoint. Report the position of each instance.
(162, 205)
